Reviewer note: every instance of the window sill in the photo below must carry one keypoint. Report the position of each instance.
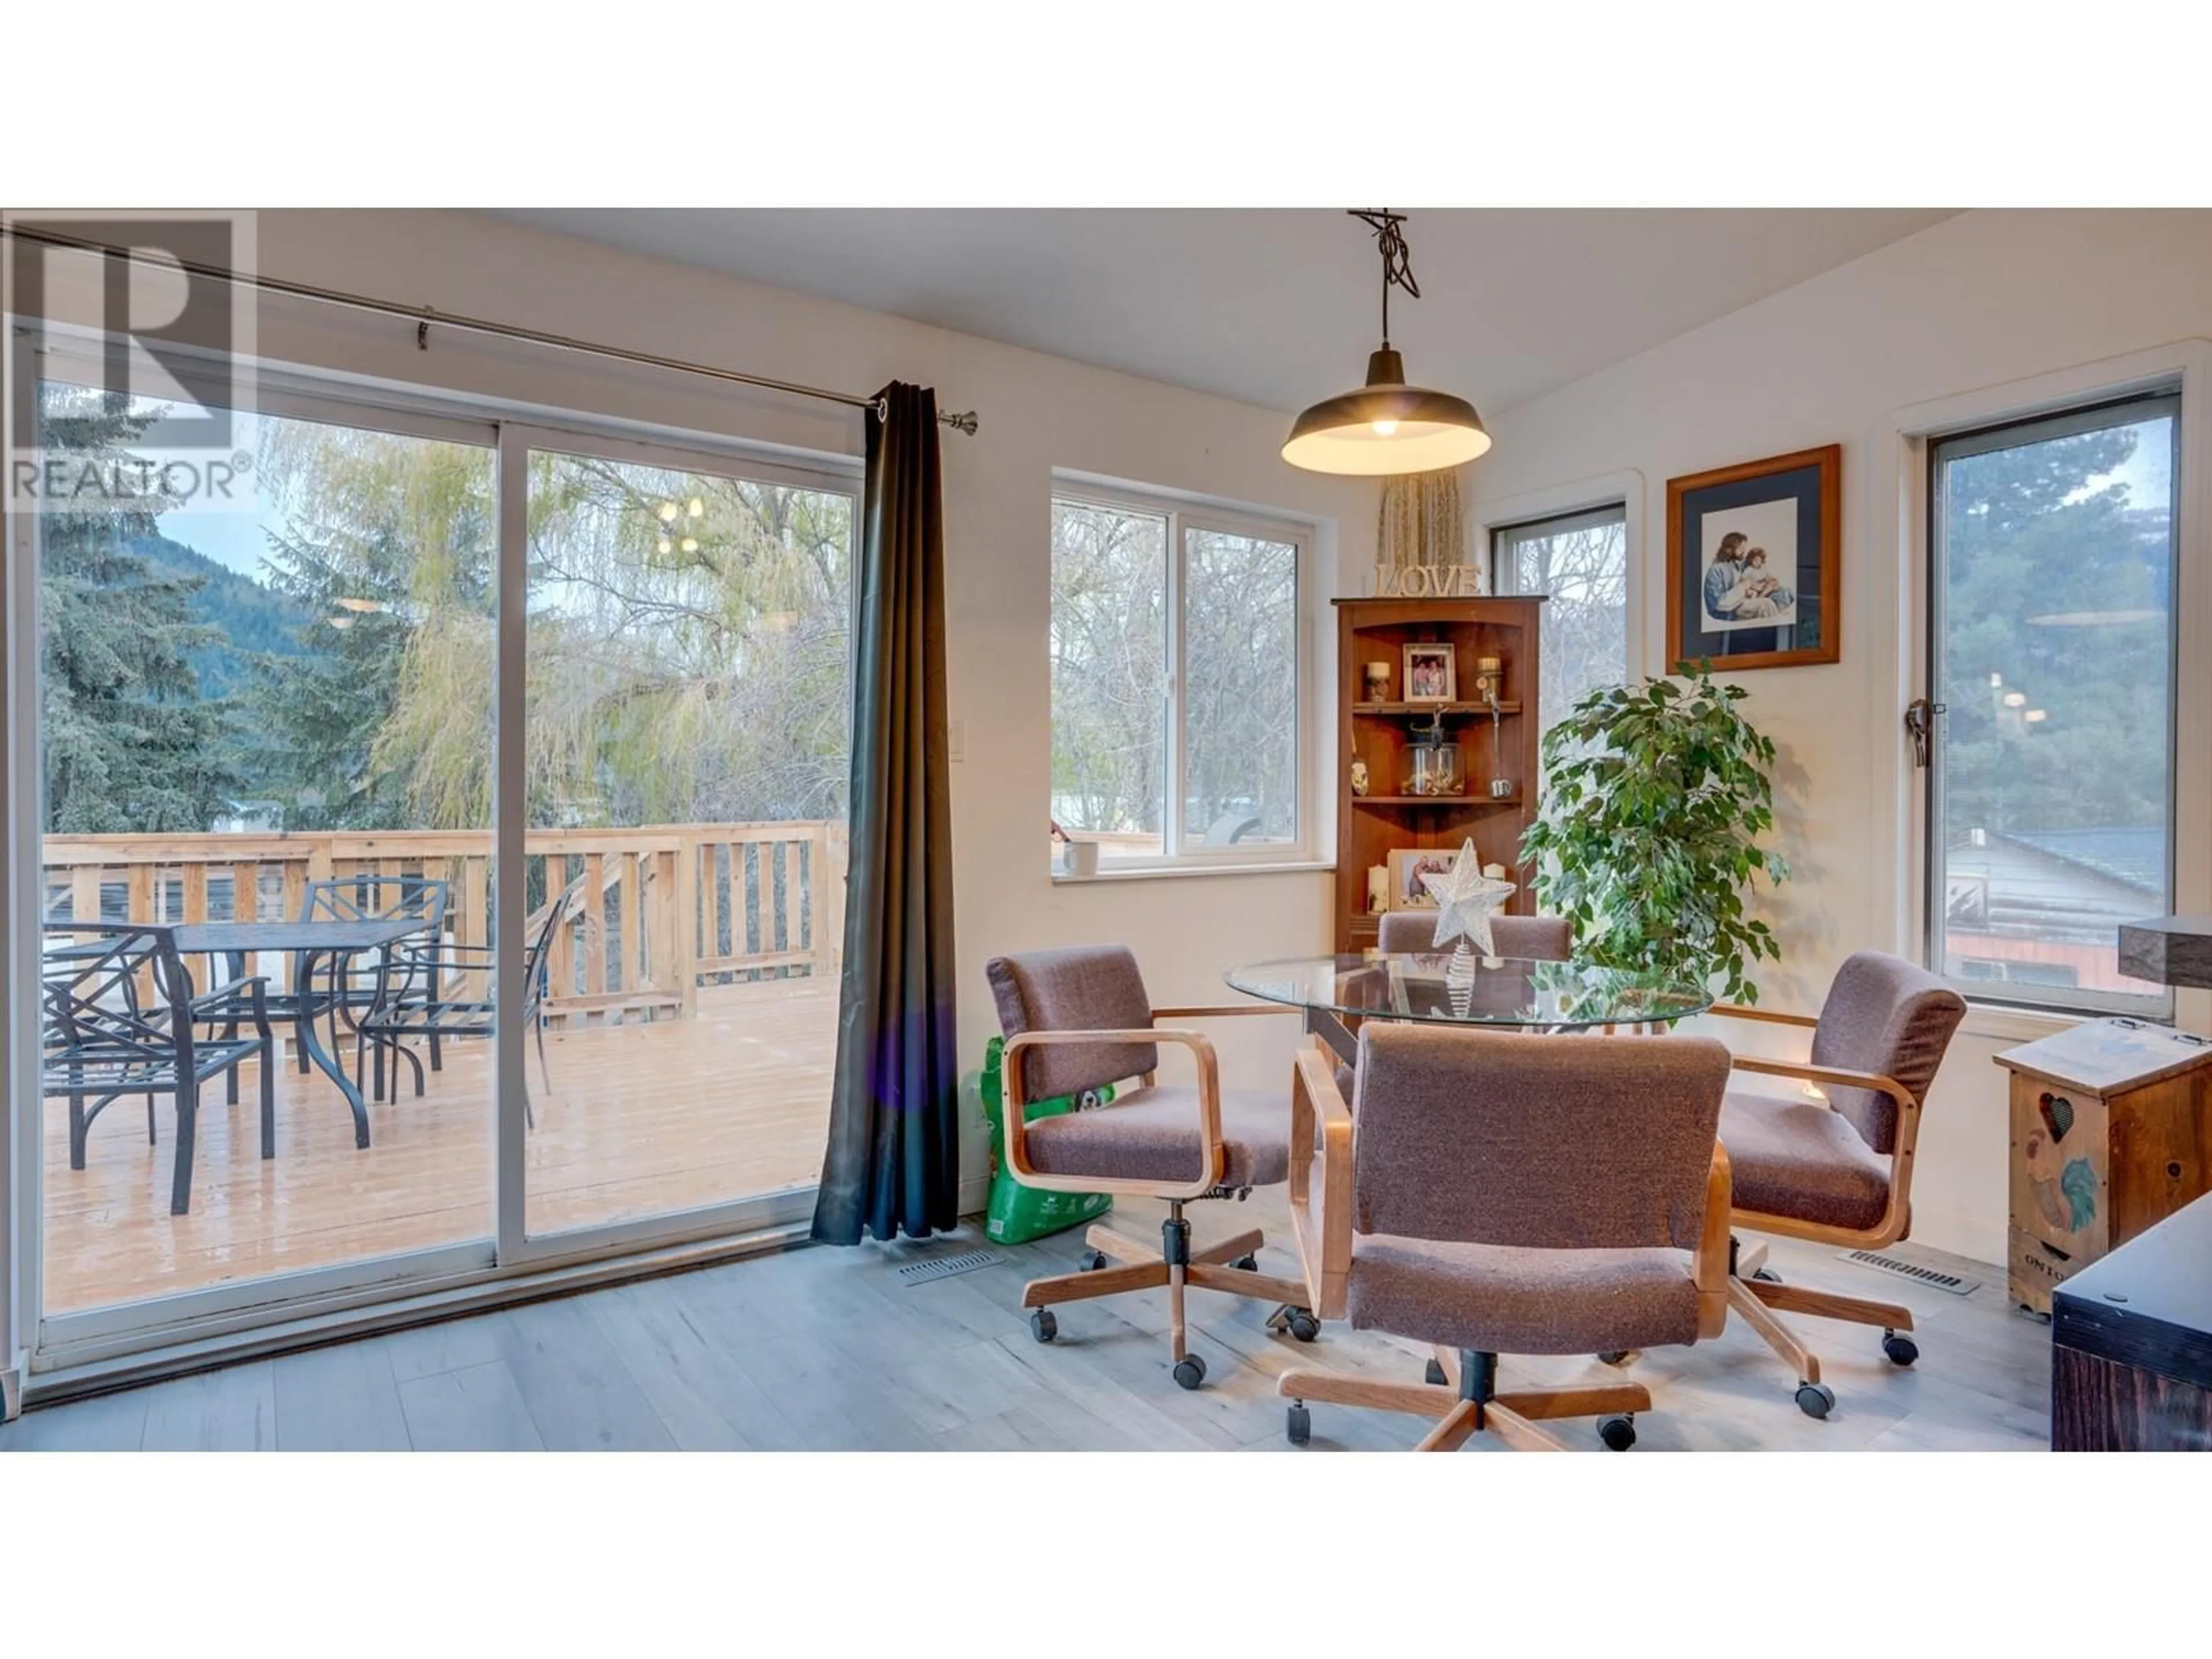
(1155, 873)
(2003, 1020)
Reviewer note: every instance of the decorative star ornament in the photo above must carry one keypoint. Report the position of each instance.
(1466, 898)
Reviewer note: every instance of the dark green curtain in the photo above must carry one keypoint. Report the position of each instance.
(894, 1159)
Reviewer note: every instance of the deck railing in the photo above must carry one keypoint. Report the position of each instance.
(662, 910)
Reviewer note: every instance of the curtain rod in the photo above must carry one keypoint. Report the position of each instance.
(423, 317)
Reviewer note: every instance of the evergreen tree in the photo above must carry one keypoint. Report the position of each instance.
(130, 745)
(2030, 535)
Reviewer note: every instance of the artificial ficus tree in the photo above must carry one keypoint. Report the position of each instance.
(1655, 797)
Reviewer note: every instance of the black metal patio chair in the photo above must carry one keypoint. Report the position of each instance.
(121, 1019)
(411, 1002)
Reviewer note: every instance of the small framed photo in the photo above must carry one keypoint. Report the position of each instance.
(1429, 675)
(1753, 563)
(1408, 865)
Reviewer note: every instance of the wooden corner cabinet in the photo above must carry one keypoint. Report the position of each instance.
(1383, 733)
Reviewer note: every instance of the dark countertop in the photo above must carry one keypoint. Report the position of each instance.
(2149, 1302)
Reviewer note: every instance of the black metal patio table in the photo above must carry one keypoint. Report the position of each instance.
(308, 943)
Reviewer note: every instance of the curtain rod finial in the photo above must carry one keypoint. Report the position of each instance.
(964, 422)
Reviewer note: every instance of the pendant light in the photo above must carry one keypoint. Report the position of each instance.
(1387, 426)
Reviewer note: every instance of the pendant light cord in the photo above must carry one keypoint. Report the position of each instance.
(1397, 258)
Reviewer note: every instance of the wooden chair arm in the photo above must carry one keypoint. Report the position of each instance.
(1320, 1215)
(1710, 1267)
(1238, 1010)
(1768, 1016)
(1012, 1058)
(1829, 1074)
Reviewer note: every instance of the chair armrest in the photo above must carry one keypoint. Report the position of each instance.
(1320, 1209)
(1765, 1016)
(1231, 1012)
(230, 989)
(1830, 1074)
(1012, 1058)
(1710, 1266)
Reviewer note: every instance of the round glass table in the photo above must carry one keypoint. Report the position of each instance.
(1458, 987)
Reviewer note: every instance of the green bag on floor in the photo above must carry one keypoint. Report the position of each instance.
(1018, 1213)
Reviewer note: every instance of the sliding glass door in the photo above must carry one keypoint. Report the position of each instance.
(255, 722)
(686, 758)
(281, 749)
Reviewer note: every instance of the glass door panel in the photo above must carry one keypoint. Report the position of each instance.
(274, 715)
(686, 740)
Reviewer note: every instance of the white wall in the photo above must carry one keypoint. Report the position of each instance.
(1037, 413)
(1976, 302)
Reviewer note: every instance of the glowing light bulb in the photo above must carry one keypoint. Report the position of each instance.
(667, 546)
(690, 544)
(1996, 680)
(1384, 429)
(2036, 716)
(696, 507)
(2015, 699)
(668, 513)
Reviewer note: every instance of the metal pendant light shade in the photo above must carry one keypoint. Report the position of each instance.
(1386, 429)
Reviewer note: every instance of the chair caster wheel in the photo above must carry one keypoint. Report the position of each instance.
(1618, 1358)
(1767, 1276)
(1189, 1371)
(1246, 1264)
(1815, 1399)
(1093, 1260)
(1898, 1349)
(1303, 1325)
(1619, 1433)
(1433, 1375)
(1043, 1325)
(1298, 1426)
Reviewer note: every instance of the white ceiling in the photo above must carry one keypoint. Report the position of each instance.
(1277, 308)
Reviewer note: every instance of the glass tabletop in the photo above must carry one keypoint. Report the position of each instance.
(1462, 988)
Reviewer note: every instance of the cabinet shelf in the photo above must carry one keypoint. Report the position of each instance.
(1513, 800)
(1427, 708)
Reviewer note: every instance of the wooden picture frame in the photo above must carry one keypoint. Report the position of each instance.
(1418, 670)
(1783, 609)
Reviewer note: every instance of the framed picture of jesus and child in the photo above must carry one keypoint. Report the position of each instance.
(1754, 577)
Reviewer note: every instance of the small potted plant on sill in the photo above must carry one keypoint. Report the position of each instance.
(1655, 797)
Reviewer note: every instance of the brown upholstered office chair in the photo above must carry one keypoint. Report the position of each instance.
(1838, 1171)
(1529, 939)
(1078, 1019)
(1509, 1194)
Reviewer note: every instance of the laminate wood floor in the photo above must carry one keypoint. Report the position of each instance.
(825, 1349)
(640, 1119)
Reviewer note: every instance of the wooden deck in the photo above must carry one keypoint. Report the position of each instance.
(641, 1119)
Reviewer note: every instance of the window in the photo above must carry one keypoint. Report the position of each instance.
(2052, 585)
(1178, 682)
(1580, 560)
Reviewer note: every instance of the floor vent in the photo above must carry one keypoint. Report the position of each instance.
(1934, 1278)
(944, 1267)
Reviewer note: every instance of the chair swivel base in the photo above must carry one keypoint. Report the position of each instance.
(1759, 1296)
(1467, 1403)
(1119, 1263)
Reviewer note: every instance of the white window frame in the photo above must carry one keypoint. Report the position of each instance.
(1184, 512)
(1500, 532)
(2154, 1002)
(1897, 502)
(1624, 489)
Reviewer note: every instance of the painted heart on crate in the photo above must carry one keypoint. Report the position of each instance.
(2058, 1113)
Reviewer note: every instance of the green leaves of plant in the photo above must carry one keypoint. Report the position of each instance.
(1655, 797)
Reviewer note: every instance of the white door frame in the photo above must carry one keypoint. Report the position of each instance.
(209, 1320)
